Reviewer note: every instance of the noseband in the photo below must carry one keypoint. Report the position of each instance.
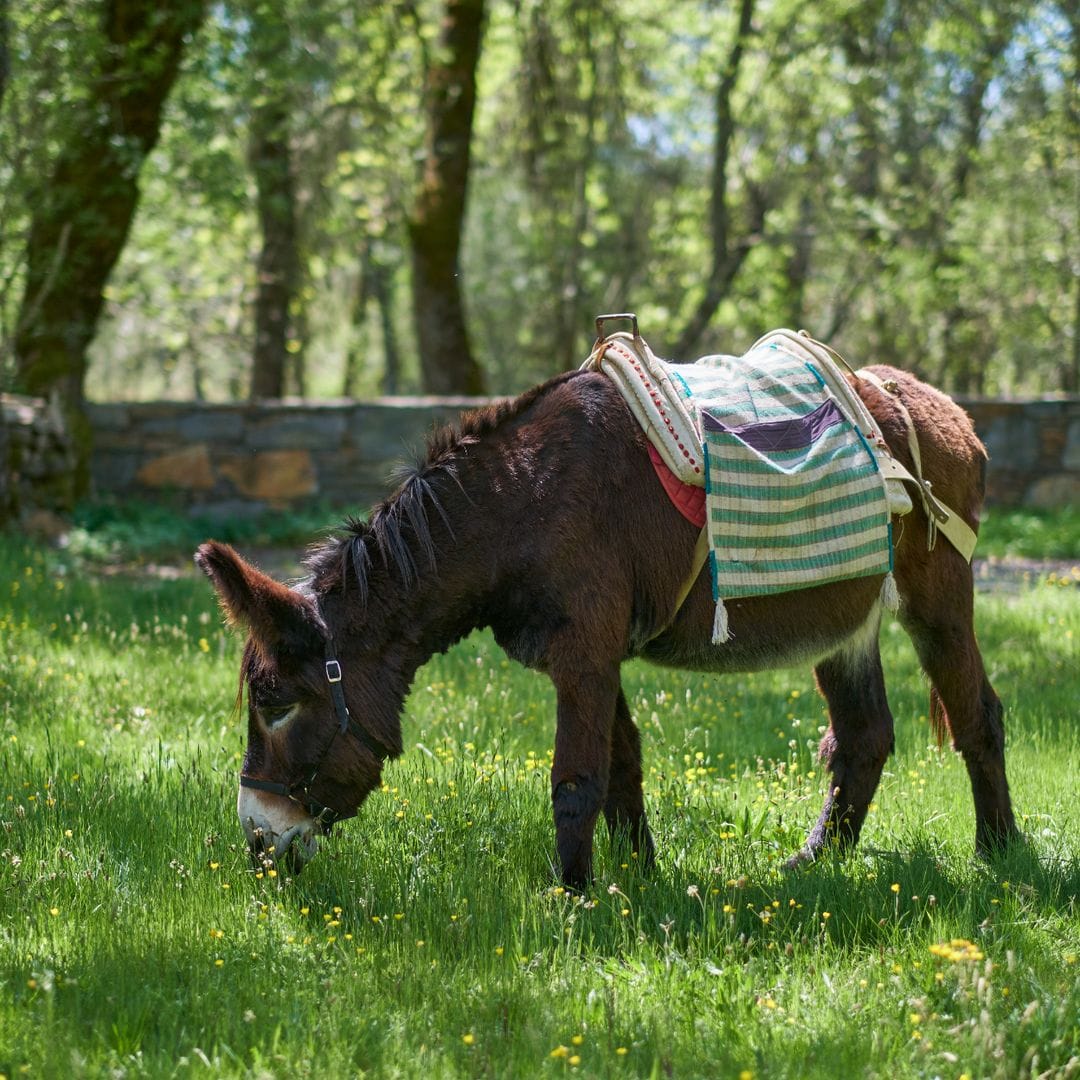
(300, 792)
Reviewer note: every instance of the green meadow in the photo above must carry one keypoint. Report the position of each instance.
(428, 937)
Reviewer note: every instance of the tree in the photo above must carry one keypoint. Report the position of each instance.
(278, 262)
(728, 253)
(446, 360)
(82, 218)
(900, 178)
(5, 58)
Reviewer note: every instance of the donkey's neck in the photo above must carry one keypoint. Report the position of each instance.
(458, 545)
(417, 577)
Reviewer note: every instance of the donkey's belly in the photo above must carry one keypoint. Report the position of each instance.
(787, 630)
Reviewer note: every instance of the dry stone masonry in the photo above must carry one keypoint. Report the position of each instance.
(245, 458)
(36, 461)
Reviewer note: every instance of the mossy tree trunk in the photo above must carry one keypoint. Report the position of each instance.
(82, 218)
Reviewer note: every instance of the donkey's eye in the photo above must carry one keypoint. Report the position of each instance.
(275, 715)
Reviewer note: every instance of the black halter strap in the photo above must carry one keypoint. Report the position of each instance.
(300, 792)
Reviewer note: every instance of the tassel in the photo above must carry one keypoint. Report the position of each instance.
(720, 631)
(890, 595)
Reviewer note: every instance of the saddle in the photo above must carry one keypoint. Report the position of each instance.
(779, 457)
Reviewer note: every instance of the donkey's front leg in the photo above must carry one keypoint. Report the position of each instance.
(582, 765)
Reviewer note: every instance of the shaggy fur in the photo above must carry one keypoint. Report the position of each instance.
(542, 518)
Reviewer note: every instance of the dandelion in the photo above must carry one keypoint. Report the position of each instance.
(559, 1052)
(895, 886)
(575, 1060)
(957, 951)
(468, 1038)
(621, 1051)
(577, 1040)
(54, 911)
(204, 645)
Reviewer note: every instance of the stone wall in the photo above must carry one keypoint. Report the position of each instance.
(241, 459)
(245, 458)
(36, 461)
(1034, 449)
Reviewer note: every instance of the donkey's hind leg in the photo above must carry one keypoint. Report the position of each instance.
(858, 742)
(624, 808)
(940, 621)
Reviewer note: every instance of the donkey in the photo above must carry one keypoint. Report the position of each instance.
(543, 519)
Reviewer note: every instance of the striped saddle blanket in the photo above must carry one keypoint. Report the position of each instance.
(785, 452)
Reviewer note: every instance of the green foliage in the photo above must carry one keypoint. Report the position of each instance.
(1032, 534)
(917, 164)
(105, 532)
(427, 939)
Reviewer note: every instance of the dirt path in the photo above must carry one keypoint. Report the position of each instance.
(1014, 574)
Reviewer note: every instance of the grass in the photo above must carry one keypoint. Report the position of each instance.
(428, 938)
(134, 532)
(1033, 534)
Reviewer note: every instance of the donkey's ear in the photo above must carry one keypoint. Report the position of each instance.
(273, 613)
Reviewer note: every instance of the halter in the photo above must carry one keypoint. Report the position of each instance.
(300, 792)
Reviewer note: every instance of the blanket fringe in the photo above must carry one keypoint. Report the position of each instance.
(890, 595)
(720, 631)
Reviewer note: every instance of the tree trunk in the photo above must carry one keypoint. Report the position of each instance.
(726, 257)
(376, 283)
(82, 218)
(271, 165)
(382, 287)
(447, 365)
(568, 327)
(5, 55)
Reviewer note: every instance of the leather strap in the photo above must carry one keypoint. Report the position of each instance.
(939, 516)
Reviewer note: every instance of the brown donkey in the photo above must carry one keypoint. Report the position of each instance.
(543, 519)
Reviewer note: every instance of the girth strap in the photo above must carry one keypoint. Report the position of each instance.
(938, 515)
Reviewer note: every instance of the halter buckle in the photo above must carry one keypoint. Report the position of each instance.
(333, 671)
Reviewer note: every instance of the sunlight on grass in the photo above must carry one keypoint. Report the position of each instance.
(429, 937)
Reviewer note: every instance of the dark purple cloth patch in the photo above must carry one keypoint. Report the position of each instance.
(781, 434)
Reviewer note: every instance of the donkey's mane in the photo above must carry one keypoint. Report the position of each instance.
(398, 530)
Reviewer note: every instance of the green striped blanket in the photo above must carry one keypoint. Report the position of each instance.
(794, 496)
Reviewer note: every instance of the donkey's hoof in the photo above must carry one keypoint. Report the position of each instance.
(801, 859)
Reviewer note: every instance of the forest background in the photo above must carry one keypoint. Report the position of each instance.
(348, 197)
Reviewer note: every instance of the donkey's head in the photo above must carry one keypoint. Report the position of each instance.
(308, 763)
